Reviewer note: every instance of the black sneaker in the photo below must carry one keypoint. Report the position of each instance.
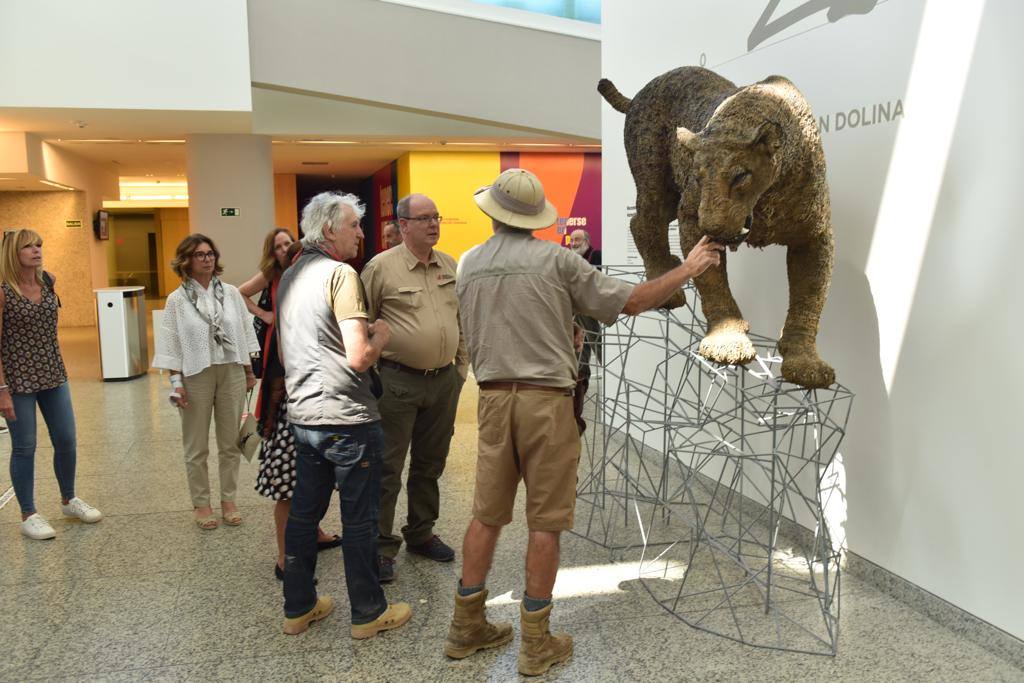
(435, 549)
(387, 569)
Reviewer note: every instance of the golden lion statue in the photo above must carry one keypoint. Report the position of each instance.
(736, 164)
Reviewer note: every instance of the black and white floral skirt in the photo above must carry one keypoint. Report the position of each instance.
(276, 478)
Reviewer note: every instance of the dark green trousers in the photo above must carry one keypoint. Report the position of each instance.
(418, 416)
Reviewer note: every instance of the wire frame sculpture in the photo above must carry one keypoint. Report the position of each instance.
(725, 480)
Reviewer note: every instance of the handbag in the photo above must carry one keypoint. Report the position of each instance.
(248, 432)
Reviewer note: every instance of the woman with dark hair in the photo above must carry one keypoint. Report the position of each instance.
(206, 345)
(32, 373)
(276, 478)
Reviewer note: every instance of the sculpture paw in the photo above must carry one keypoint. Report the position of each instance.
(729, 344)
(808, 370)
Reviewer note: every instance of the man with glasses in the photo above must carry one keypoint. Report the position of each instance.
(423, 368)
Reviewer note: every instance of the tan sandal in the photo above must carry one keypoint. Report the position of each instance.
(208, 523)
(232, 518)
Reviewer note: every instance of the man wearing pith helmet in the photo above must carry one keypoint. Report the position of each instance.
(517, 296)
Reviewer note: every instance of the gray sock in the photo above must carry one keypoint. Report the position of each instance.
(533, 604)
(465, 591)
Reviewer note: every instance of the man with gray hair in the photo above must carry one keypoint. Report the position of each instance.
(579, 242)
(328, 350)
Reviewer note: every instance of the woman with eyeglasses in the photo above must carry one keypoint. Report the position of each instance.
(32, 373)
(276, 478)
(206, 345)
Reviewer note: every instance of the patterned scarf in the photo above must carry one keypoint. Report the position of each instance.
(195, 294)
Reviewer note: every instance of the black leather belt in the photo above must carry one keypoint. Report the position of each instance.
(384, 362)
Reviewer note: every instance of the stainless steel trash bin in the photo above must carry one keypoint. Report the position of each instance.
(121, 316)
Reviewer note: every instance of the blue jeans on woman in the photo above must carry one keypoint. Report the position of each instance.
(55, 405)
(349, 457)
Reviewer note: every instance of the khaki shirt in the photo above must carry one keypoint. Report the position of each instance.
(344, 294)
(419, 304)
(517, 297)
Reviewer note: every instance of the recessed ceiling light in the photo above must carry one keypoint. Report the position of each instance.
(154, 183)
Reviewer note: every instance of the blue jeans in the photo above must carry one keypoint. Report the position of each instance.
(349, 456)
(55, 405)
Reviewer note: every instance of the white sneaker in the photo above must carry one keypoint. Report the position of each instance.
(37, 528)
(77, 507)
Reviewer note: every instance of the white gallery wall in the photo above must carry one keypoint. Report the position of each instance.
(923, 322)
(122, 54)
(428, 61)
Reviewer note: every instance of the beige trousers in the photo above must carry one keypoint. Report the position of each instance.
(218, 392)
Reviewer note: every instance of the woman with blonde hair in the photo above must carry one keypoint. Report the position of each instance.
(206, 345)
(276, 478)
(32, 373)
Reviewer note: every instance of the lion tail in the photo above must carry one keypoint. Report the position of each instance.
(612, 95)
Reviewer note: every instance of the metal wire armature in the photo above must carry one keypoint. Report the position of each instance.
(725, 480)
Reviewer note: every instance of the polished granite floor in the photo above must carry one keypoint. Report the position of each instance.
(145, 595)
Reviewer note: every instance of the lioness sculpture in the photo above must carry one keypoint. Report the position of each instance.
(736, 164)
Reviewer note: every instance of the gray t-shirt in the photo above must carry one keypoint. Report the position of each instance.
(517, 297)
(314, 296)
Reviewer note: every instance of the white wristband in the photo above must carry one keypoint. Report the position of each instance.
(176, 382)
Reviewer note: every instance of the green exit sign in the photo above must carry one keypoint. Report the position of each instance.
(230, 212)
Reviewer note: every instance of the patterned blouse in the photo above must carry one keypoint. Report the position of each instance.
(28, 347)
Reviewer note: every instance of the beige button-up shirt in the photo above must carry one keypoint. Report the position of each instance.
(517, 295)
(418, 301)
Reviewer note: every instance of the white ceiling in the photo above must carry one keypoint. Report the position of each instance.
(121, 123)
(150, 144)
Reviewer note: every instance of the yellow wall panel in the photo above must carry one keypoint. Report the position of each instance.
(403, 175)
(450, 178)
(174, 228)
(286, 210)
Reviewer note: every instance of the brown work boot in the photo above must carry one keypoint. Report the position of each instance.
(470, 631)
(539, 649)
(296, 625)
(394, 616)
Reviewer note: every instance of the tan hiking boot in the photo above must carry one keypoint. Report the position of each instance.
(540, 650)
(296, 625)
(470, 631)
(394, 616)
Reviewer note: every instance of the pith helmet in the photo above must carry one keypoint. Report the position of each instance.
(517, 199)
